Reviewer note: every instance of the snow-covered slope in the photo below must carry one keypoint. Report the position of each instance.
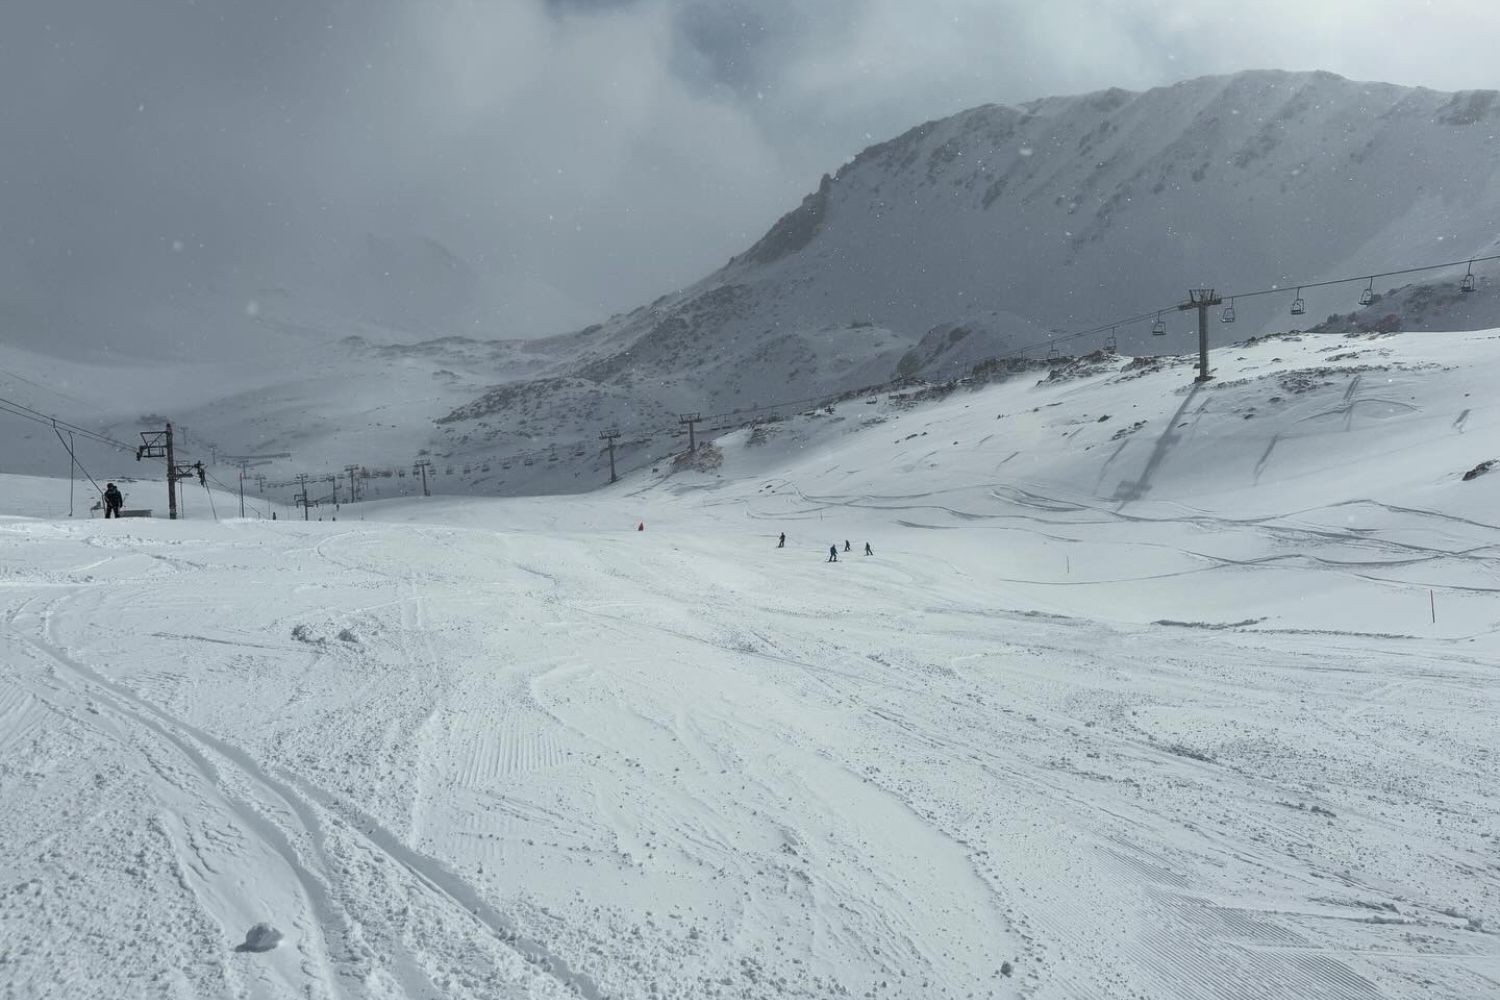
(1148, 689)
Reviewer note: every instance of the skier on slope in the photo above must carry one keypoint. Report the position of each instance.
(846, 545)
(113, 501)
(868, 551)
(782, 543)
(833, 553)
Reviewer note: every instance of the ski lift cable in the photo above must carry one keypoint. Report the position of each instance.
(37, 416)
(46, 388)
(58, 426)
(1275, 290)
(47, 420)
(73, 456)
(1282, 290)
(228, 489)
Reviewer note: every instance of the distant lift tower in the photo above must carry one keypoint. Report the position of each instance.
(608, 437)
(690, 419)
(1201, 299)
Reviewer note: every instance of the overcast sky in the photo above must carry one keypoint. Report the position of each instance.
(165, 161)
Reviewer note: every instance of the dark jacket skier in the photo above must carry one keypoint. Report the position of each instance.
(846, 545)
(113, 500)
(868, 552)
(833, 553)
(782, 543)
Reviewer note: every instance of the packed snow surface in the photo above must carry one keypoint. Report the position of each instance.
(1149, 689)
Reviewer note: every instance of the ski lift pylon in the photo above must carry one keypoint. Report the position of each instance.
(1227, 316)
(1467, 285)
(1298, 306)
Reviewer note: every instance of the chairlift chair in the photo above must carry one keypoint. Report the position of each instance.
(1467, 285)
(1159, 328)
(1111, 345)
(1368, 295)
(1053, 354)
(1227, 316)
(1298, 306)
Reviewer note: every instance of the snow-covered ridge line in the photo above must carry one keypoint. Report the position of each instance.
(967, 238)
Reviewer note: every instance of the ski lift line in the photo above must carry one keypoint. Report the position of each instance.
(26, 413)
(38, 417)
(1153, 314)
(228, 489)
(1279, 290)
(73, 456)
(1367, 276)
(58, 426)
(45, 388)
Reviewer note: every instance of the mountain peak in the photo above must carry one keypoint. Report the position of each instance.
(983, 233)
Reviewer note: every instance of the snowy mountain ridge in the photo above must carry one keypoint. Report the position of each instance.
(962, 239)
(974, 236)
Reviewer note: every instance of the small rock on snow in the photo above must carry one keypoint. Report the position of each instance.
(261, 937)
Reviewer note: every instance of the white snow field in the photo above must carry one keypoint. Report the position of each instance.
(1139, 695)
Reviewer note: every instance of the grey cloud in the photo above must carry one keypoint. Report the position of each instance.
(515, 168)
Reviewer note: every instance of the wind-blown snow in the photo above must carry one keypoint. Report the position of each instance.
(1139, 695)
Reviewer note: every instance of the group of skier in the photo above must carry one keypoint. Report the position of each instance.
(833, 550)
